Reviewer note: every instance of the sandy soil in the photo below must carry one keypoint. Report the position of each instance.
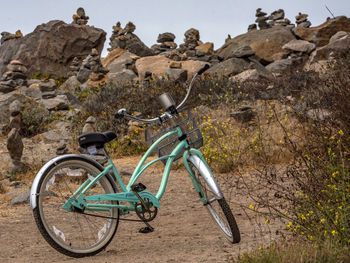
(184, 231)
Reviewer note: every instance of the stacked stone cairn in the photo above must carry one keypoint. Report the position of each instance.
(7, 36)
(191, 41)
(99, 156)
(91, 68)
(261, 19)
(74, 67)
(80, 18)
(277, 19)
(120, 34)
(166, 41)
(14, 139)
(302, 21)
(14, 77)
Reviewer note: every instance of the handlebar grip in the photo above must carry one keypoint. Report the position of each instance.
(120, 114)
(206, 66)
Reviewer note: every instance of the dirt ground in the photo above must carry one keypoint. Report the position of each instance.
(184, 231)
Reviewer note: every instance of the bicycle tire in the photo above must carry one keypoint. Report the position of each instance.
(71, 233)
(219, 209)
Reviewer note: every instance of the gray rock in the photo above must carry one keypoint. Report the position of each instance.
(21, 198)
(338, 36)
(83, 74)
(244, 114)
(15, 108)
(71, 84)
(318, 114)
(280, 65)
(264, 50)
(60, 102)
(15, 144)
(125, 76)
(177, 74)
(122, 62)
(277, 15)
(6, 100)
(33, 81)
(51, 47)
(48, 94)
(251, 75)
(166, 37)
(30, 92)
(91, 120)
(62, 148)
(305, 24)
(229, 67)
(49, 85)
(300, 46)
(243, 51)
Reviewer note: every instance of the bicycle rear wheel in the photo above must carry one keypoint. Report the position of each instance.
(75, 234)
(219, 209)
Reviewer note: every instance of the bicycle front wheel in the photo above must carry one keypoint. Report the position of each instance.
(219, 209)
(76, 233)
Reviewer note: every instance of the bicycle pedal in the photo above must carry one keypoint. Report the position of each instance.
(138, 187)
(145, 230)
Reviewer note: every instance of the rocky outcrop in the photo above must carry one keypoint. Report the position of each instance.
(319, 60)
(267, 44)
(321, 34)
(51, 47)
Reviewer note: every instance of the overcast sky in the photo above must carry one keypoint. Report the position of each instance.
(213, 19)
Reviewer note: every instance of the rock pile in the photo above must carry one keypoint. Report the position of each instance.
(277, 19)
(7, 36)
(14, 77)
(125, 38)
(191, 41)
(14, 139)
(166, 41)
(301, 20)
(80, 18)
(92, 68)
(261, 19)
(74, 67)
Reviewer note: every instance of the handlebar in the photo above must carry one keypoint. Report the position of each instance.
(123, 114)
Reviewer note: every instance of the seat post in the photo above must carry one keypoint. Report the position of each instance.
(105, 151)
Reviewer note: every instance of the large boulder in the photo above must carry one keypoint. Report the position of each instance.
(51, 47)
(321, 34)
(267, 44)
(229, 67)
(158, 65)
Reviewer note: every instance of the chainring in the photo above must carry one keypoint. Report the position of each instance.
(144, 214)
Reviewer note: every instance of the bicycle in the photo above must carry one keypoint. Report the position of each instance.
(76, 201)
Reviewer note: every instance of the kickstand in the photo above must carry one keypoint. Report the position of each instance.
(146, 229)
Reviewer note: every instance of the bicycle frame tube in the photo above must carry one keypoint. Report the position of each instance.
(141, 167)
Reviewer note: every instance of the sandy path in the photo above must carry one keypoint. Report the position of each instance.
(184, 231)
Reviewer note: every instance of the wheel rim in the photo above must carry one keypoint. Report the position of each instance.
(75, 232)
(212, 204)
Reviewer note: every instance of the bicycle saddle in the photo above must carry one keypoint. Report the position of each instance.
(96, 138)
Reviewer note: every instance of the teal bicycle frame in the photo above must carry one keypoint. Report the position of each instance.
(93, 202)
